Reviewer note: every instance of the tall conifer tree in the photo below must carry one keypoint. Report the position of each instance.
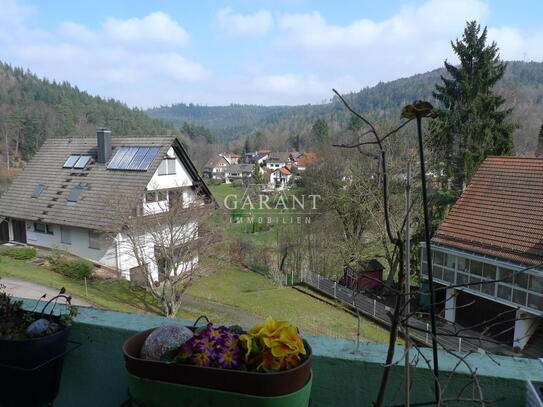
(473, 122)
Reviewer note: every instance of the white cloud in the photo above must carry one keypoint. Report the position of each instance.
(517, 45)
(413, 40)
(240, 25)
(155, 28)
(12, 11)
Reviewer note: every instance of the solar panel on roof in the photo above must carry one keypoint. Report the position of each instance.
(148, 159)
(75, 194)
(133, 158)
(115, 161)
(72, 159)
(138, 158)
(37, 192)
(82, 161)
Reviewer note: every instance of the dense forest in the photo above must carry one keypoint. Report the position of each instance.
(522, 87)
(33, 109)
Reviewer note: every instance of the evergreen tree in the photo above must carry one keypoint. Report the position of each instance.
(257, 175)
(539, 150)
(472, 122)
(320, 131)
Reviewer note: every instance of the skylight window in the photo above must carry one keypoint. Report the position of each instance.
(37, 192)
(133, 158)
(75, 194)
(78, 161)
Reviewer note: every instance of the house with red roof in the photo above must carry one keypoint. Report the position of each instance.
(492, 240)
(280, 178)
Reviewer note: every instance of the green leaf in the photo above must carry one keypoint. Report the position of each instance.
(169, 356)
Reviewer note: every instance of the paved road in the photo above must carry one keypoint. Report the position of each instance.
(28, 289)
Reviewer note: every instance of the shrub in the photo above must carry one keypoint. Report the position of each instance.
(57, 256)
(78, 269)
(20, 253)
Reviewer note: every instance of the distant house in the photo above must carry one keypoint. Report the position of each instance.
(238, 172)
(305, 159)
(258, 157)
(232, 158)
(63, 196)
(281, 159)
(494, 231)
(215, 167)
(280, 178)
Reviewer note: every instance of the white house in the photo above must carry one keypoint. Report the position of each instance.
(64, 196)
(492, 242)
(280, 159)
(280, 178)
(216, 166)
(238, 172)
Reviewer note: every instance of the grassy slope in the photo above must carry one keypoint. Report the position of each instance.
(230, 285)
(252, 292)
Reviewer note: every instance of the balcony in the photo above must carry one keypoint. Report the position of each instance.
(94, 374)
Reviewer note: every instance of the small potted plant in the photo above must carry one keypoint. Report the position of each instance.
(268, 365)
(32, 346)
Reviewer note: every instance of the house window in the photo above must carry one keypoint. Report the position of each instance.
(65, 236)
(94, 239)
(162, 195)
(43, 228)
(167, 167)
(150, 197)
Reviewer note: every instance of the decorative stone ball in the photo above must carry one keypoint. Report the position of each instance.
(164, 339)
(37, 328)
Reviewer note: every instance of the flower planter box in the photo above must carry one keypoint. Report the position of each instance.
(30, 369)
(204, 386)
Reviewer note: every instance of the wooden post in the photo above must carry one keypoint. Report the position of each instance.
(335, 284)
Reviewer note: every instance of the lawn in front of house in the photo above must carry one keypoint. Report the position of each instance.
(229, 285)
(234, 286)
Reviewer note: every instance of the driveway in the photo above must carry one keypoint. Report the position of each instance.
(28, 289)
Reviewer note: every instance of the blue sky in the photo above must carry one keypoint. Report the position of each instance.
(249, 51)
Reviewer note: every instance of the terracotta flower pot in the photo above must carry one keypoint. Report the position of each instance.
(237, 381)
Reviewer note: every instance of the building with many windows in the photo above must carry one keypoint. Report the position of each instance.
(489, 251)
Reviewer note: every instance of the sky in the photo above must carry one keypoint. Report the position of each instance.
(281, 52)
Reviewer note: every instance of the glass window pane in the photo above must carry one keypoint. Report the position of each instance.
(424, 268)
(489, 271)
(535, 301)
(438, 272)
(71, 161)
(476, 267)
(82, 162)
(438, 257)
(488, 288)
(506, 275)
(461, 263)
(163, 168)
(448, 275)
(65, 236)
(171, 167)
(162, 195)
(461, 278)
(521, 279)
(536, 284)
(504, 292)
(150, 197)
(450, 261)
(473, 279)
(519, 297)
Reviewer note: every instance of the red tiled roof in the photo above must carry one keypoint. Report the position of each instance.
(285, 171)
(306, 159)
(500, 213)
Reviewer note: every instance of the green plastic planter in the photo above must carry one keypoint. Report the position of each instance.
(154, 393)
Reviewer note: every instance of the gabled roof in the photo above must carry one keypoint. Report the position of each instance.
(240, 168)
(284, 170)
(500, 213)
(100, 185)
(280, 157)
(215, 161)
(306, 159)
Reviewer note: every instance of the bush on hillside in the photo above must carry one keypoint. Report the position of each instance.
(77, 269)
(20, 253)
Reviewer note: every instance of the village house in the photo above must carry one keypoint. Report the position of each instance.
(257, 157)
(494, 232)
(280, 159)
(216, 166)
(280, 178)
(305, 159)
(240, 172)
(64, 196)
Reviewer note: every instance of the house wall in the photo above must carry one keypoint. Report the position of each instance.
(106, 255)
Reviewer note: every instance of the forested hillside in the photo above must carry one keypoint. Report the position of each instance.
(33, 109)
(522, 86)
